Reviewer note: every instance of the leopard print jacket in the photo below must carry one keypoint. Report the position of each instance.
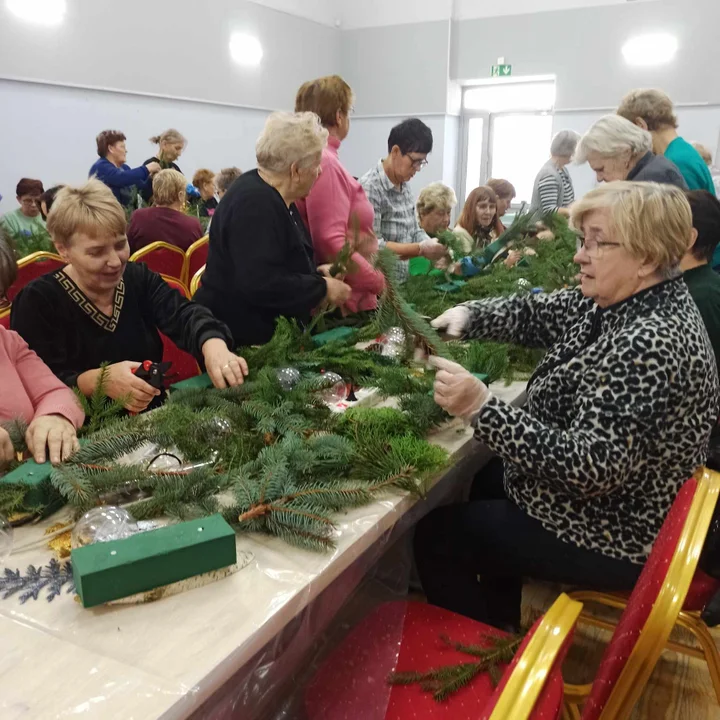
(618, 415)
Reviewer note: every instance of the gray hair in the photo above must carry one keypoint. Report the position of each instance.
(436, 196)
(564, 143)
(288, 139)
(610, 136)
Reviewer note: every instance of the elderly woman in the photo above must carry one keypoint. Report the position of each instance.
(434, 207)
(101, 309)
(553, 190)
(618, 416)
(225, 178)
(27, 219)
(204, 181)
(505, 192)
(337, 200)
(30, 392)
(616, 149)
(260, 263)
(112, 169)
(166, 220)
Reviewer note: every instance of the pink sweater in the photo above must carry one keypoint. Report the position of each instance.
(327, 211)
(28, 389)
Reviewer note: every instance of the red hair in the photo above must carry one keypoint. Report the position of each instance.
(468, 218)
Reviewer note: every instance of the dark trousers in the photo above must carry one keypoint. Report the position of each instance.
(472, 557)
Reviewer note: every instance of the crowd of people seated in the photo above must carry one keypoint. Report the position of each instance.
(619, 412)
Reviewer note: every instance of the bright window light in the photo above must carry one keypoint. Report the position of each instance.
(510, 97)
(652, 49)
(246, 50)
(39, 12)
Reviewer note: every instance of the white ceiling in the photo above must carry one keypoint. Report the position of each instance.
(351, 14)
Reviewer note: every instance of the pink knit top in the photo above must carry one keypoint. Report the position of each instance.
(327, 213)
(28, 389)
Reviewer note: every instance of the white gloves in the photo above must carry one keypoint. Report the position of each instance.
(454, 321)
(458, 391)
(431, 249)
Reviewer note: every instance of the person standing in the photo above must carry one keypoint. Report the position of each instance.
(553, 190)
(652, 110)
(26, 220)
(337, 199)
(171, 144)
(386, 185)
(112, 170)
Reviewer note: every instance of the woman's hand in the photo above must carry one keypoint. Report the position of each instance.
(338, 292)
(54, 433)
(224, 367)
(458, 391)
(324, 270)
(513, 258)
(431, 249)
(7, 452)
(453, 322)
(123, 385)
(153, 168)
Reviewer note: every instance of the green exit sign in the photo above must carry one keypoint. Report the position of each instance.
(501, 70)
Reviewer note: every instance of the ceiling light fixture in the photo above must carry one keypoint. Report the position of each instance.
(245, 50)
(651, 49)
(38, 12)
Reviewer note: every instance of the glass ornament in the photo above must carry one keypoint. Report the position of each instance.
(524, 284)
(220, 426)
(6, 538)
(333, 389)
(288, 377)
(392, 350)
(103, 524)
(395, 335)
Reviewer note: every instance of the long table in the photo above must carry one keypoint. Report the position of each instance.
(182, 656)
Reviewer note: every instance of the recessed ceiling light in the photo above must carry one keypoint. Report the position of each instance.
(245, 50)
(651, 49)
(38, 12)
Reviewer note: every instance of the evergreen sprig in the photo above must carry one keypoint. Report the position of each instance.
(99, 408)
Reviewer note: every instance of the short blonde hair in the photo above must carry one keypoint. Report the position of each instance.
(325, 96)
(288, 139)
(435, 196)
(91, 209)
(610, 136)
(168, 187)
(704, 152)
(652, 106)
(651, 221)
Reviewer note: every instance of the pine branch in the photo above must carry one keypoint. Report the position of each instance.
(16, 429)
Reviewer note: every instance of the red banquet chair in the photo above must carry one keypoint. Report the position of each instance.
(33, 266)
(163, 259)
(197, 255)
(196, 281)
(184, 365)
(403, 636)
(652, 608)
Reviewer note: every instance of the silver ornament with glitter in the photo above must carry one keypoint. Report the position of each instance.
(333, 389)
(103, 524)
(288, 377)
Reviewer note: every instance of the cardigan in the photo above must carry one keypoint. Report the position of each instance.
(72, 336)
(692, 167)
(704, 287)
(29, 389)
(618, 415)
(656, 168)
(553, 188)
(121, 180)
(148, 225)
(260, 263)
(327, 213)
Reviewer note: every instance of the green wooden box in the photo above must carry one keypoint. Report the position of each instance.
(40, 492)
(112, 570)
(338, 333)
(199, 381)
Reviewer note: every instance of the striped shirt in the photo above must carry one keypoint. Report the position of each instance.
(395, 218)
(551, 192)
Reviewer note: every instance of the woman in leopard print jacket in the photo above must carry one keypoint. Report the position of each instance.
(618, 416)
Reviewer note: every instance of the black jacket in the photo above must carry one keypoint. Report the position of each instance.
(657, 168)
(260, 263)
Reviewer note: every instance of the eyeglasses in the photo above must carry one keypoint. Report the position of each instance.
(418, 164)
(30, 202)
(592, 246)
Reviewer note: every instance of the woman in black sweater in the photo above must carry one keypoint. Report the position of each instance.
(260, 264)
(101, 309)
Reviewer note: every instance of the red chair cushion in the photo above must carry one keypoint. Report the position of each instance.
(640, 603)
(30, 272)
(184, 365)
(701, 591)
(197, 259)
(165, 262)
(405, 637)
